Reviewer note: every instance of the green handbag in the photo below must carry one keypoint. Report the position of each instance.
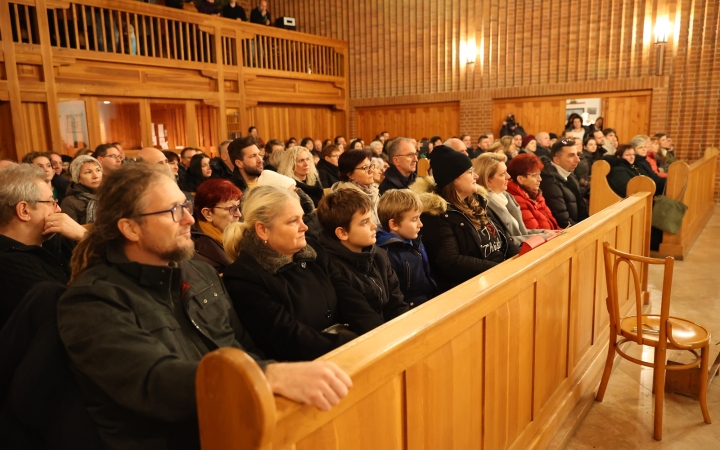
(667, 214)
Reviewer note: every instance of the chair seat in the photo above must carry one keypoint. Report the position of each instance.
(684, 332)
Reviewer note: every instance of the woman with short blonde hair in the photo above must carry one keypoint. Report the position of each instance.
(297, 163)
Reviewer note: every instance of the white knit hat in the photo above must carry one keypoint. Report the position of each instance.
(77, 164)
(270, 178)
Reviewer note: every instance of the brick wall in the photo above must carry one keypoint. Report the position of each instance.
(414, 51)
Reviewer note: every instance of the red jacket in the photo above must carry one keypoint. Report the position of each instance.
(651, 158)
(535, 213)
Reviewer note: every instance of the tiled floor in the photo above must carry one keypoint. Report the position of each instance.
(624, 420)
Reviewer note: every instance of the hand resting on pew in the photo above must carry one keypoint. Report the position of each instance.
(319, 383)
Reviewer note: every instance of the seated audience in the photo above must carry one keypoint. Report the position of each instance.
(611, 140)
(260, 14)
(517, 140)
(403, 164)
(198, 172)
(207, 7)
(510, 127)
(173, 161)
(80, 203)
(376, 147)
(36, 238)
(317, 144)
(57, 162)
(109, 157)
(483, 144)
(4, 162)
(288, 296)
(273, 161)
(560, 187)
(356, 144)
(308, 143)
(575, 127)
(357, 172)
(524, 186)
(217, 205)
(245, 155)
(457, 145)
(340, 140)
(272, 146)
(528, 144)
(467, 140)
(58, 184)
(399, 211)
(497, 147)
(436, 141)
(665, 152)
(234, 11)
(583, 172)
(140, 314)
(222, 166)
(597, 125)
(328, 166)
(379, 174)
(348, 239)
(297, 163)
(543, 144)
(270, 178)
(622, 169)
(641, 144)
(253, 133)
(426, 148)
(654, 158)
(493, 177)
(186, 155)
(509, 148)
(462, 237)
(601, 142)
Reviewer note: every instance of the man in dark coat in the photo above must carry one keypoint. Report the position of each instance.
(403, 164)
(36, 239)
(222, 166)
(327, 167)
(560, 187)
(140, 315)
(245, 155)
(543, 145)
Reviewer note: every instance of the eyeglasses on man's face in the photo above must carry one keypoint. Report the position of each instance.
(177, 212)
(411, 155)
(54, 203)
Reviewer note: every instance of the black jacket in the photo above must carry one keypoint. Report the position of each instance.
(506, 131)
(239, 181)
(395, 180)
(219, 168)
(74, 205)
(191, 182)
(645, 168)
(621, 172)
(41, 404)
(209, 250)
(286, 304)
(309, 216)
(541, 151)
(563, 197)
(61, 185)
(455, 249)
(370, 273)
(315, 192)
(328, 172)
(135, 335)
(24, 266)
(411, 266)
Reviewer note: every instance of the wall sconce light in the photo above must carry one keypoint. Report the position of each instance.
(662, 33)
(471, 52)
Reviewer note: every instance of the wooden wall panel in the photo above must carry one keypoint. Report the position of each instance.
(120, 122)
(172, 117)
(413, 121)
(37, 126)
(284, 121)
(7, 136)
(208, 118)
(534, 114)
(629, 115)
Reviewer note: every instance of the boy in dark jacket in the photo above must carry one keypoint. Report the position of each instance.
(348, 238)
(399, 212)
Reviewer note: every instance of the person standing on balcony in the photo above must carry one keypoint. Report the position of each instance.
(234, 11)
(207, 7)
(260, 14)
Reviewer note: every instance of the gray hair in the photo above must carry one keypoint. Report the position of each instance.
(77, 164)
(394, 146)
(638, 140)
(223, 146)
(374, 144)
(18, 183)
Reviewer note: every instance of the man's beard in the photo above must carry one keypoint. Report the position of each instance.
(179, 254)
(253, 171)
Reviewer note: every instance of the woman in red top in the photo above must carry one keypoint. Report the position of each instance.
(524, 185)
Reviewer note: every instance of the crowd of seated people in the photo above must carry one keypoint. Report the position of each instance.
(286, 251)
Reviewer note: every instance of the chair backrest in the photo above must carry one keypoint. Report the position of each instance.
(612, 273)
(423, 167)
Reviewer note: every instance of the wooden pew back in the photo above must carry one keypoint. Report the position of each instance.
(499, 361)
(602, 196)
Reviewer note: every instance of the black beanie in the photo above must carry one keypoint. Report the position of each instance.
(447, 164)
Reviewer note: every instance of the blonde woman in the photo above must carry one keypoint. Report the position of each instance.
(297, 163)
(509, 148)
(288, 297)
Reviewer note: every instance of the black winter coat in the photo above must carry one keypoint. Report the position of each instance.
(315, 192)
(645, 168)
(455, 249)
(328, 172)
(24, 266)
(563, 197)
(41, 404)
(411, 267)
(74, 205)
(209, 250)
(621, 172)
(219, 169)
(395, 180)
(370, 273)
(238, 180)
(286, 304)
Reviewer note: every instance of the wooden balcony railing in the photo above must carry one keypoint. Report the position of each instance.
(140, 30)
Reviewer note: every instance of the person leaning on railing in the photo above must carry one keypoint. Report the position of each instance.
(462, 236)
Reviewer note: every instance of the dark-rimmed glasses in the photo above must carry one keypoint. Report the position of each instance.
(53, 202)
(177, 212)
(411, 155)
(232, 210)
(367, 169)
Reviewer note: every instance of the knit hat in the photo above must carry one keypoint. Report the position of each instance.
(270, 178)
(447, 164)
(77, 164)
(526, 140)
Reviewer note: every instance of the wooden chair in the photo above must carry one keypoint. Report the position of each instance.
(661, 332)
(423, 167)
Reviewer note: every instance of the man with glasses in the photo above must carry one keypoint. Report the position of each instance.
(403, 164)
(141, 314)
(559, 185)
(36, 238)
(109, 157)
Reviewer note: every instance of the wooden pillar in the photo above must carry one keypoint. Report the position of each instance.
(219, 55)
(243, 112)
(146, 128)
(191, 124)
(49, 76)
(8, 48)
(93, 122)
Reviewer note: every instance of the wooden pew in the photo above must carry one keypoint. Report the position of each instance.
(500, 361)
(699, 197)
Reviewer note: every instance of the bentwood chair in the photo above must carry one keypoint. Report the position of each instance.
(662, 332)
(423, 167)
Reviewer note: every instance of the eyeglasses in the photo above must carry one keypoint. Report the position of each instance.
(116, 157)
(53, 202)
(367, 169)
(232, 210)
(411, 155)
(533, 175)
(177, 212)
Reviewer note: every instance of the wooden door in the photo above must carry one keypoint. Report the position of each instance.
(533, 114)
(413, 121)
(629, 115)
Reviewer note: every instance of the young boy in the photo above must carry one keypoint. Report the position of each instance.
(399, 213)
(348, 238)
